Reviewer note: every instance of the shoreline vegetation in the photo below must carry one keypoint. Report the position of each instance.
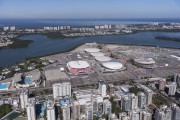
(167, 38)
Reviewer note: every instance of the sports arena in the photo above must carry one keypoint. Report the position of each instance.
(112, 66)
(144, 62)
(79, 67)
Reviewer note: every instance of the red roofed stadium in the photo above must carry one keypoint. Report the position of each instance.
(79, 67)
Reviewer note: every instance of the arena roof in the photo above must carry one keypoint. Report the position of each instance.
(97, 54)
(112, 65)
(102, 58)
(92, 50)
(78, 64)
(144, 61)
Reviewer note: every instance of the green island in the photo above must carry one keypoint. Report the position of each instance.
(167, 38)
(53, 35)
(17, 43)
(5, 109)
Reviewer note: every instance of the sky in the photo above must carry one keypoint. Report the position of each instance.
(65, 9)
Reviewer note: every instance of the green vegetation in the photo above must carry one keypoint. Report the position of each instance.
(95, 117)
(54, 35)
(20, 43)
(9, 75)
(115, 107)
(158, 101)
(32, 62)
(135, 90)
(105, 116)
(5, 109)
(167, 38)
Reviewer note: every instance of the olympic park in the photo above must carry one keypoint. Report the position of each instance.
(92, 61)
(85, 66)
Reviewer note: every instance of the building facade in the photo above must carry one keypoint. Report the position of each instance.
(141, 99)
(62, 90)
(30, 107)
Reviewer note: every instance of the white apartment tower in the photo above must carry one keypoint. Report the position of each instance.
(172, 88)
(134, 115)
(89, 111)
(30, 107)
(175, 112)
(145, 115)
(75, 110)
(23, 99)
(141, 99)
(61, 90)
(102, 88)
(123, 116)
(51, 112)
(164, 113)
(65, 112)
(149, 95)
(134, 101)
(125, 103)
(177, 79)
(107, 107)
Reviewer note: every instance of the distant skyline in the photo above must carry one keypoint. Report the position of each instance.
(67, 9)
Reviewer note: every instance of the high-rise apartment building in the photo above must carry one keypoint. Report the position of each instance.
(75, 108)
(102, 88)
(50, 111)
(107, 107)
(141, 99)
(62, 90)
(30, 107)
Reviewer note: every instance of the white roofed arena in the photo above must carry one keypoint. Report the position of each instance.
(112, 66)
(144, 62)
(92, 50)
(79, 67)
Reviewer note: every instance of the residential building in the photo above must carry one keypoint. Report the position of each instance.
(62, 90)
(89, 111)
(177, 79)
(125, 103)
(30, 107)
(171, 88)
(107, 107)
(162, 84)
(12, 28)
(23, 98)
(50, 111)
(75, 110)
(175, 112)
(65, 110)
(134, 101)
(149, 95)
(141, 99)
(123, 116)
(111, 89)
(164, 113)
(134, 115)
(145, 115)
(102, 88)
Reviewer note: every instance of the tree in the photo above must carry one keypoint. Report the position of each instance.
(5, 109)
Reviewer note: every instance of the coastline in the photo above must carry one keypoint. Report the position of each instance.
(166, 38)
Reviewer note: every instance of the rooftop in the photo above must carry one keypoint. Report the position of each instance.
(78, 64)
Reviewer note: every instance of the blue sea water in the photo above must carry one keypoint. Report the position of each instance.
(78, 22)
